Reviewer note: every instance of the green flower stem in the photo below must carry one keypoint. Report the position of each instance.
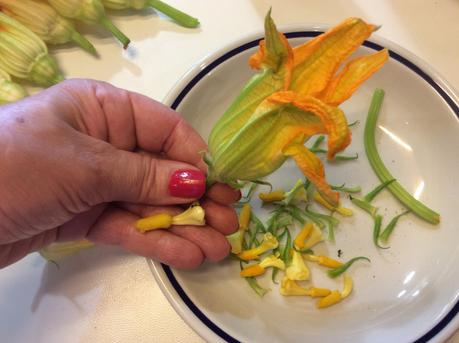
(382, 172)
(83, 42)
(115, 31)
(253, 283)
(333, 273)
(318, 142)
(180, 17)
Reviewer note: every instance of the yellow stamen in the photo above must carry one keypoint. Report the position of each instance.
(290, 287)
(253, 270)
(157, 221)
(312, 258)
(341, 210)
(297, 270)
(194, 215)
(318, 292)
(331, 299)
(269, 242)
(272, 196)
(348, 286)
(314, 237)
(301, 237)
(244, 217)
(272, 261)
(329, 262)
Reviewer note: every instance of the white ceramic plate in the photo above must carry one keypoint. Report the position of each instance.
(410, 291)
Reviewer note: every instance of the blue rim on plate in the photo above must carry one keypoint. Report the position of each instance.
(301, 34)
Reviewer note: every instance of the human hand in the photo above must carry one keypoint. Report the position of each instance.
(84, 159)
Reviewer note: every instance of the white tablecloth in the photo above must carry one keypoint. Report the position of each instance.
(106, 295)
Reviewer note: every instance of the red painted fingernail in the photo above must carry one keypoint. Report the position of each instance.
(187, 183)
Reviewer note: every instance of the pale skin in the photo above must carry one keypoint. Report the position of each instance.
(84, 159)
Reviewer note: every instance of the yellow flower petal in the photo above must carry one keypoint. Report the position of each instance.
(313, 169)
(316, 62)
(352, 76)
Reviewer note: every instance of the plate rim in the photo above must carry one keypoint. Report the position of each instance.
(449, 323)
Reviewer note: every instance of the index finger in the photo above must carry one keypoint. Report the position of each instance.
(129, 120)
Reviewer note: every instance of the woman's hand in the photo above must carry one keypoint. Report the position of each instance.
(84, 159)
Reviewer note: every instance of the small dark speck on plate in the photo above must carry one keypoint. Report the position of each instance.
(340, 252)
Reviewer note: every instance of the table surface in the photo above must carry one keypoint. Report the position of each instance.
(107, 295)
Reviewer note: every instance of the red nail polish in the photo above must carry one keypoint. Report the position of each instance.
(187, 183)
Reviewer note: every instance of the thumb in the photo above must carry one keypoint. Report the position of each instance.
(144, 178)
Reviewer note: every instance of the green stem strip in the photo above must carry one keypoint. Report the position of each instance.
(340, 270)
(382, 172)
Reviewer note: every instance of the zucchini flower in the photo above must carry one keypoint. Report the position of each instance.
(45, 22)
(269, 242)
(297, 270)
(192, 216)
(178, 16)
(9, 90)
(341, 210)
(24, 55)
(260, 268)
(290, 287)
(236, 238)
(293, 97)
(91, 12)
(309, 236)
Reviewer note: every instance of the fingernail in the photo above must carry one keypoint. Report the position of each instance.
(187, 183)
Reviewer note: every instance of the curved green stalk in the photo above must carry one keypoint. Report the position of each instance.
(180, 17)
(383, 173)
(376, 230)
